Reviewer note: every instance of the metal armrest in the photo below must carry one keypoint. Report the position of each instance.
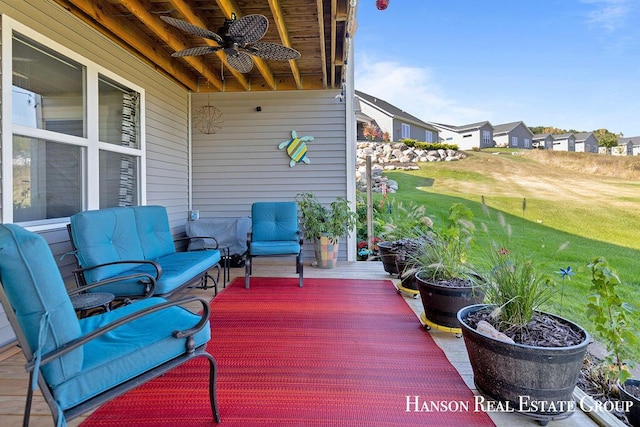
(179, 239)
(150, 285)
(78, 342)
(155, 265)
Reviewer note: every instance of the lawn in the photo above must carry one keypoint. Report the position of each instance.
(588, 204)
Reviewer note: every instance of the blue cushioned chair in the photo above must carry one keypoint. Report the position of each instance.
(80, 364)
(274, 232)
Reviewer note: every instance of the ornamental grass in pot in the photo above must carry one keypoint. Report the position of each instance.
(446, 279)
(527, 359)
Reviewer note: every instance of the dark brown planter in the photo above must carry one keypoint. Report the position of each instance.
(388, 257)
(409, 280)
(633, 416)
(441, 303)
(509, 373)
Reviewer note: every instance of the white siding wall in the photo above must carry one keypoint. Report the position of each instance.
(242, 164)
(384, 121)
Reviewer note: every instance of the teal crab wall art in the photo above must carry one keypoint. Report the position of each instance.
(296, 148)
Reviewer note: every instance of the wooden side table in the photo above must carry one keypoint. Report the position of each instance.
(84, 302)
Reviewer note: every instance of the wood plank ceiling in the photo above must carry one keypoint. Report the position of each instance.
(320, 30)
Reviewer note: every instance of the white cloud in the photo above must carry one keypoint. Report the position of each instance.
(608, 14)
(412, 89)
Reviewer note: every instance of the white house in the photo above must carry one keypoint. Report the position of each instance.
(466, 137)
(627, 147)
(564, 142)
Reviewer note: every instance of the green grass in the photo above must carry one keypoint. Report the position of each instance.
(597, 213)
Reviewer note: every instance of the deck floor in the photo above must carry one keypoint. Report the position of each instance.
(13, 379)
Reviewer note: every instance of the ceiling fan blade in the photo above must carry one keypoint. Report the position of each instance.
(240, 61)
(197, 51)
(192, 29)
(272, 51)
(249, 29)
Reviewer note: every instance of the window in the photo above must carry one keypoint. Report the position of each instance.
(486, 138)
(514, 141)
(406, 131)
(76, 140)
(527, 143)
(428, 136)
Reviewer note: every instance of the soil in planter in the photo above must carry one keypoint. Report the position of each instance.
(594, 382)
(455, 282)
(541, 331)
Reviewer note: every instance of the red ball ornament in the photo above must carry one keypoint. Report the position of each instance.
(382, 4)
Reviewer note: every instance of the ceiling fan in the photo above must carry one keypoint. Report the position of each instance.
(238, 38)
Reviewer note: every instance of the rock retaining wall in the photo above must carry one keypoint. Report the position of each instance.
(392, 156)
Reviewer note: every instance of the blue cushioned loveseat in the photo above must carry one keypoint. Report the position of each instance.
(118, 242)
(80, 364)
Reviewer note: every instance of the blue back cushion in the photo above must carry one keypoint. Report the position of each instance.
(155, 236)
(274, 221)
(33, 284)
(106, 235)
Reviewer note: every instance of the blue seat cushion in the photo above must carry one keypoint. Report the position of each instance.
(274, 221)
(274, 248)
(103, 236)
(154, 233)
(178, 268)
(127, 351)
(34, 287)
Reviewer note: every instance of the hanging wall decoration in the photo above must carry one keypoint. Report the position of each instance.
(296, 148)
(208, 119)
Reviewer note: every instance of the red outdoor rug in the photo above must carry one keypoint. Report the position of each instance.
(333, 353)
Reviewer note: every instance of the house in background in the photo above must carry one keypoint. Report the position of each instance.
(390, 119)
(627, 147)
(543, 141)
(466, 137)
(586, 142)
(564, 142)
(512, 135)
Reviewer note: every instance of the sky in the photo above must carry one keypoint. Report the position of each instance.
(570, 64)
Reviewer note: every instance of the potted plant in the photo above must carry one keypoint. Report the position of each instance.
(609, 314)
(524, 358)
(325, 225)
(400, 226)
(446, 280)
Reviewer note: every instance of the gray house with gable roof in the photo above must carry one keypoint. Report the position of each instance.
(390, 119)
(512, 135)
(586, 142)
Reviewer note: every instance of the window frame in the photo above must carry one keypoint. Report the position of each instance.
(91, 143)
(405, 131)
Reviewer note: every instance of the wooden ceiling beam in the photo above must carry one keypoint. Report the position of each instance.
(140, 9)
(101, 12)
(230, 7)
(195, 18)
(323, 48)
(276, 10)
